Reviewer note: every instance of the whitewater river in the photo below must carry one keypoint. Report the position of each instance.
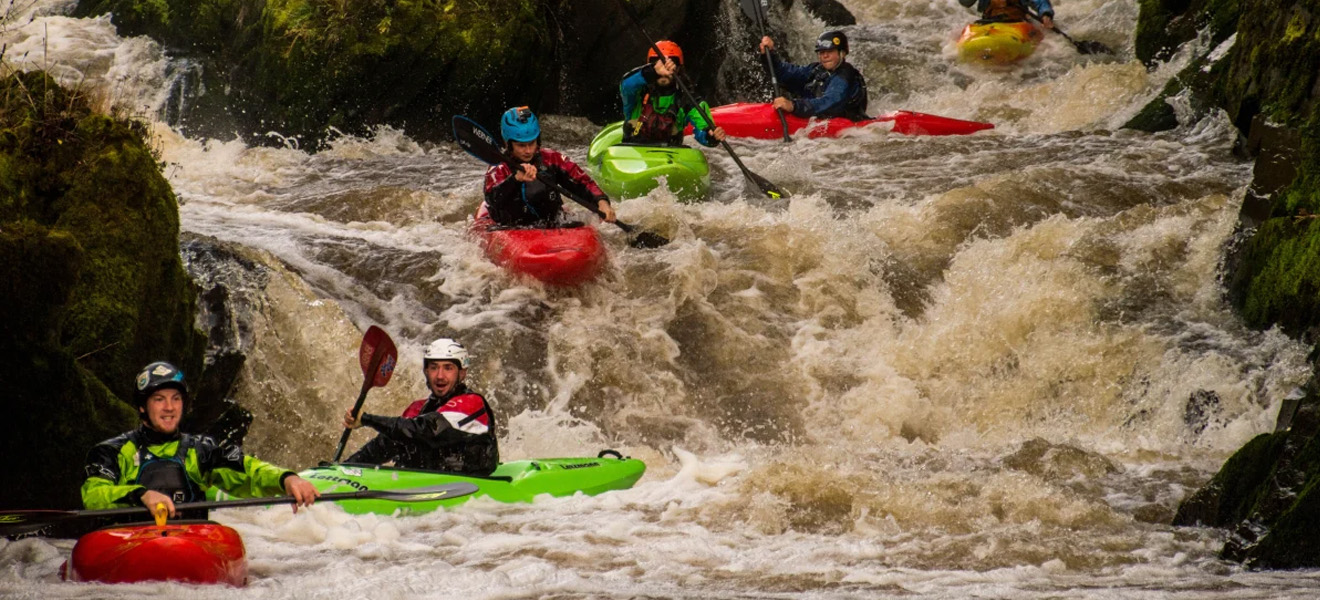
(962, 367)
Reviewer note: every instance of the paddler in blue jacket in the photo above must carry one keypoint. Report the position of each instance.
(1008, 11)
(652, 110)
(157, 465)
(830, 87)
(452, 430)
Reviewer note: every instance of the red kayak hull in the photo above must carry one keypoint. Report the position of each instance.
(560, 257)
(197, 552)
(758, 120)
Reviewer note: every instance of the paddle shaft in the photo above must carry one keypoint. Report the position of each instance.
(368, 377)
(683, 86)
(1082, 47)
(14, 522)
(759, 14)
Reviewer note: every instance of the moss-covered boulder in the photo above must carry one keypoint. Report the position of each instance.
(91, 284)
(1269, 85)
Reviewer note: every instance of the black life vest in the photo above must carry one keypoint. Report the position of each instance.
(854, 106)
(168, 475)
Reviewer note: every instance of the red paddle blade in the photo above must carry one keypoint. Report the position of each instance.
(378, 356)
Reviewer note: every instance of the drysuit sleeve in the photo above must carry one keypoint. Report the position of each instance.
(227, 468)
(1044, 8)
(701, 127)
(632, 88)
(568, 174)
(792, 77)
(502, 192)
(102, 488)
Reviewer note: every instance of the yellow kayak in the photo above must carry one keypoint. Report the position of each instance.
(998, 43)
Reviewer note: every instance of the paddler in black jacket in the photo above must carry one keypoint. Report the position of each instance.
(452, 430)
(828, 88)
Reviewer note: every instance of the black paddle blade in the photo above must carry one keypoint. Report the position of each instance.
(648, 239)
(1089, 47)
(771, 190)
(475, 140)
(28, 521)
(751, 8)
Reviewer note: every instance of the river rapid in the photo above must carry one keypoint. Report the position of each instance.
(948, 367)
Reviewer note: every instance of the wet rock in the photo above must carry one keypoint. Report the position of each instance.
(830, 11)
(93, 287)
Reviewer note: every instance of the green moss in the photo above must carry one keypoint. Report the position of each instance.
(93, 284)
(1236, 488)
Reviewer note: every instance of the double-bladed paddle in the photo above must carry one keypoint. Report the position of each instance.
(378, 357)
(1084, 46)
(478, 142)
(767, 188)
(17, 522)
(756, 10)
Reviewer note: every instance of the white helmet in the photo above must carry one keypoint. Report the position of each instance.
(446, 349)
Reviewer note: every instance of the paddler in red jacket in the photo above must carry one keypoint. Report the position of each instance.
(514, 196)
(452, 430)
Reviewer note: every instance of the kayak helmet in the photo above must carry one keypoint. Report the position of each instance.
(832, 40)
(670, 50)
(446, 349)
(519, 124)
(157, 376)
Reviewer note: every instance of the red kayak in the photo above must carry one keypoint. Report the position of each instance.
(189, 552)
(758, 120)
(564, 256)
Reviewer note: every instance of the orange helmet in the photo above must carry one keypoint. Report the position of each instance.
(671, 50)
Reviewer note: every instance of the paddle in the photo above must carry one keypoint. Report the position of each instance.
(756, 11)
(478, 142)
(767, 188)
(1083, 47)
(378, 356)
(25, 521)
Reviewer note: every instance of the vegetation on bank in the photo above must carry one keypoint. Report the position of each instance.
(92, 283)
(302, 67)
(1266, 494)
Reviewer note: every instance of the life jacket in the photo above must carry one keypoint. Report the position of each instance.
(1006, 11)
(168, 475)
(854, 106)
(479, 454)
(660, 119)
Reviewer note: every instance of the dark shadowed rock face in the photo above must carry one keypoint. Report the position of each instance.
(92, 283)
(1268, 84)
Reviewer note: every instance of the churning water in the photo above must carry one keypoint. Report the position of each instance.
(985, 366)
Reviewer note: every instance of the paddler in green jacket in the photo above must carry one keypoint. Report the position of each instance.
(156, 464)
(652, 111)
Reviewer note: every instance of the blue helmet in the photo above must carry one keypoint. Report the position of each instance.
(519, 125)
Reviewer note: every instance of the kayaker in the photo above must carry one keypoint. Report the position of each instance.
(451, 430)
(515, 197)
(1008, 11)
(651, 106)
(830, 87)
(157, 464)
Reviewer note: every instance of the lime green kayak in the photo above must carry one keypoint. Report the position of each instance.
(516, 481)
(628, 171)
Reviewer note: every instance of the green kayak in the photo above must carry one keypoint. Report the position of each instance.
(516, 481)
(628, 171)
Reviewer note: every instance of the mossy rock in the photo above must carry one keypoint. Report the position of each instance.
(94, 285)
(1230, 495)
